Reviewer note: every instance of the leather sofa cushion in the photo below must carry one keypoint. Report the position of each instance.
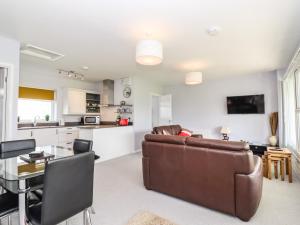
(170, 139)
(167, 130)
(217, 144)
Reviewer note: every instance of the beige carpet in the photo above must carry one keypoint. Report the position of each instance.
(147, 218)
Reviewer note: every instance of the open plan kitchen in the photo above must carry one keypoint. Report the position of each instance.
(67, 108)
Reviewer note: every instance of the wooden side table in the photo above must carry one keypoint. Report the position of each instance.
(283, 155)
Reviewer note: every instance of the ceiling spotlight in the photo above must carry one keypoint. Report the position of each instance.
(213, 31)
(85, 67)
(71, 74)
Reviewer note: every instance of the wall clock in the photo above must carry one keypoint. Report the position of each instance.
(127, 92)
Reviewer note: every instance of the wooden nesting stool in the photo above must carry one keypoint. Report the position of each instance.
(284, 157)
(275, 161)
(265, 165)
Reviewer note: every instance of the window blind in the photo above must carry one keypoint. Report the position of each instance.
(36, 93)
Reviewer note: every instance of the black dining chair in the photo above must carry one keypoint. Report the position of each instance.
(79, 146)
(68, 190)
(82, 145)
(10, 149)
(8, 200)
(8, 206)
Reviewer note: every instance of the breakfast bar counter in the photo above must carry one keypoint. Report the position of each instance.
(110, 142)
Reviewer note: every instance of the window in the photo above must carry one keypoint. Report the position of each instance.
(289, 112)
(31, 109)
(36, 104)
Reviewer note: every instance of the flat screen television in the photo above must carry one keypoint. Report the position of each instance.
(248, 104)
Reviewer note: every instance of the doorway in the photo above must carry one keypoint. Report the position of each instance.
(161, 110)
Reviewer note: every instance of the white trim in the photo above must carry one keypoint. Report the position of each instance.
(151, 94)
(292, 63)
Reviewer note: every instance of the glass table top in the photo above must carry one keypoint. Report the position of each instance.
(10, 180)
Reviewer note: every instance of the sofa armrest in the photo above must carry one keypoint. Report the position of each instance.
(197, 135)
(248, 191)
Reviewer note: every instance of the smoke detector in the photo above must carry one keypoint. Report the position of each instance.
(42, 53)
(213, 31)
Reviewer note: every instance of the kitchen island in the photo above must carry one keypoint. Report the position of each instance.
(109, 141)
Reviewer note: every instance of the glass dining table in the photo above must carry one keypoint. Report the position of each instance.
(17, 180)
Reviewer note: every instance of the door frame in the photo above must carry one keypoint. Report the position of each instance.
(5, 125)
(152, 94)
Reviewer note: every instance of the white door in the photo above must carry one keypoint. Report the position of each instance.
(155, 110)
(165, 110)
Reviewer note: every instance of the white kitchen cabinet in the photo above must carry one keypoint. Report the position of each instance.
(44, 136)
(67, 135)
(51, 136)
(74, 101)
(25, 134)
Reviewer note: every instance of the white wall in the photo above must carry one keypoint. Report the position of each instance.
(9, 57)
(142, 100)
(203, 107)
(39, 76)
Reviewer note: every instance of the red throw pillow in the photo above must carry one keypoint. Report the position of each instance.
(185, 133)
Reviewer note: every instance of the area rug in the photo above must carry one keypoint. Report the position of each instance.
(147, 218)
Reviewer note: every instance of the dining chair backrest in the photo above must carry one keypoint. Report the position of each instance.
(15, 148)
(81, 145)
(68, 187)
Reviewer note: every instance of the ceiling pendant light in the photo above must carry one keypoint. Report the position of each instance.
(193, 78)
(149, 52)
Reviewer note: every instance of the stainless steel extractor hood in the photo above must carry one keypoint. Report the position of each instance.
(107, 98)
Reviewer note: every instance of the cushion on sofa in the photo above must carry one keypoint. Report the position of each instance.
(167, 130)
(185, 133)
(171, 139)
(217, 144)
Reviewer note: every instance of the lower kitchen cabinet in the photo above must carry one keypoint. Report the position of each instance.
(51, 136)
(67, 135)
(45, 137)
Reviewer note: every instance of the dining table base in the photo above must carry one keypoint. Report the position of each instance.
(22, 202)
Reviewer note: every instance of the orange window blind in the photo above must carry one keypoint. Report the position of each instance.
(36, 93)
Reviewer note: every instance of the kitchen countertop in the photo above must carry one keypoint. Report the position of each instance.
(79, 126)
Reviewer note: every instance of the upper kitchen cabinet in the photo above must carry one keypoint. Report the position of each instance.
(74, 101)
(80, 102)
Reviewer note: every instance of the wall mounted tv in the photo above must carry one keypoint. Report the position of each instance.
(248, 104)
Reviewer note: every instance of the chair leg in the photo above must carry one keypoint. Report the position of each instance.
(9, 220)
(92, 210)
(85, 217)
(89, 218)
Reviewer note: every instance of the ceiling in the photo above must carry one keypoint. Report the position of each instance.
(255, 35)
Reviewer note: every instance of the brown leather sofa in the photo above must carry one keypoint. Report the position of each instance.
(220, 175)
(171, 130)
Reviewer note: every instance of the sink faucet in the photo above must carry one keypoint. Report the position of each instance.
(36, 118)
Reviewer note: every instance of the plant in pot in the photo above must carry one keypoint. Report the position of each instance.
(273, 125)
(47, 117)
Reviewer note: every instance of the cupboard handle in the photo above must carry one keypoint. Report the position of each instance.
(31, 133)
(69, 133)
(69, 143)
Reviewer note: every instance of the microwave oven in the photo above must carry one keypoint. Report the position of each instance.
(91, 120)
